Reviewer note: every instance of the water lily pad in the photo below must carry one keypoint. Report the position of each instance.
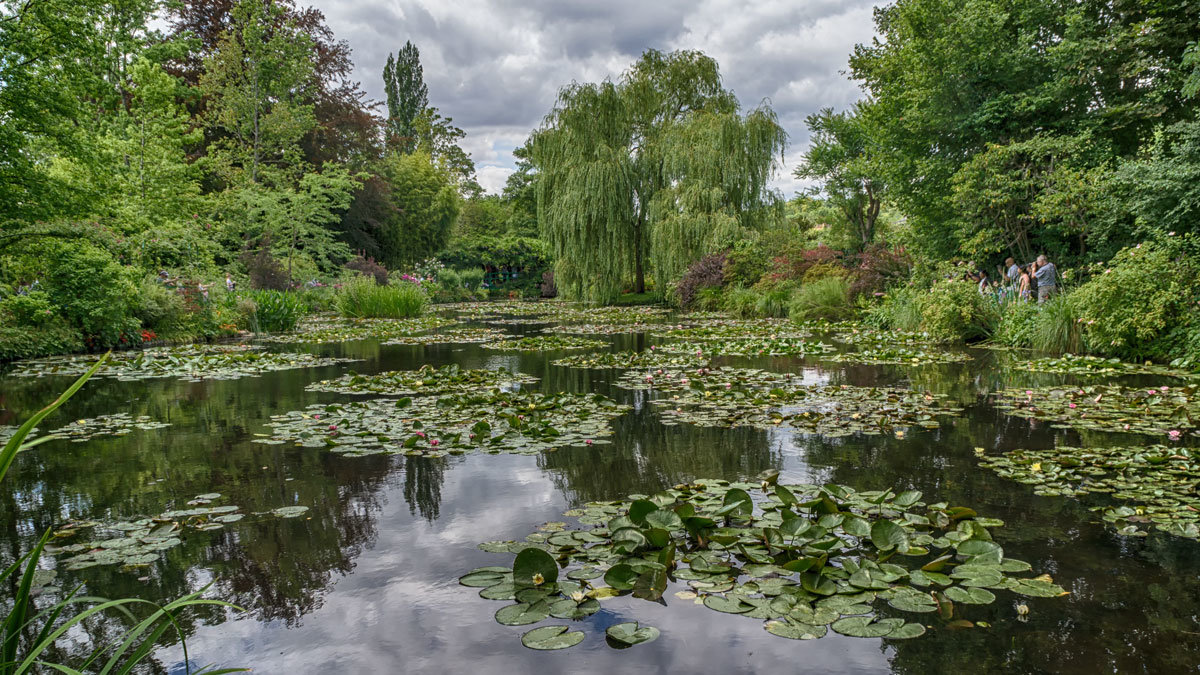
(523, 613)
(794, 630)
(290, 511)
(551, 637)
(631, 633)
(543, 343)
(191, 363)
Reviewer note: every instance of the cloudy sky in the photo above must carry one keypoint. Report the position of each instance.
(496, 65)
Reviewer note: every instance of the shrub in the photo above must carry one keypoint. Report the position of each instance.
(899, 310)
(740, 302)
(880, 268)
(94, 292)
(368, 267)
(278, 311)
(793, 267)
(55, 336)
(710, 299)
(264, 270)
(362, 298)
(954, 311)
(158, 308)
(31, 309)
(1183, 342)
(547, 288)
(1057, 328)
(472, 278)
(1139, 296)
(1017, 324)
(745, 263)
(775, 301)
(706, 272)
(827, 298)
(824, 271)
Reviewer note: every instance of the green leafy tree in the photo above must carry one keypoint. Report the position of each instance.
(607, 150)
(152, 180)
(295, 220)
(950, 78)
(46, 48)
(438, 137)
(407, 97)
(426, 205)
(839, 157)
(257, 83)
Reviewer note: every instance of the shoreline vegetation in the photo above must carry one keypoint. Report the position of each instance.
(177, 173)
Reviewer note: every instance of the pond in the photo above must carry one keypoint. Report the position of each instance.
(365, 578)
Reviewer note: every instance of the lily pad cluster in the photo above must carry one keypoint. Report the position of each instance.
(1168, 411)
(650, 358)
(139, 542)
(451, 336)
(117, 424)
(191, 364)
(544, 343)
(873, 336)
(725, 329)
(896, 355)
(803, 559)
(348, 330)
(600, 328)
(764, 346)
(492, 422)
(426, 381)
(1155, 485)
(1095, 366)
(738, 397)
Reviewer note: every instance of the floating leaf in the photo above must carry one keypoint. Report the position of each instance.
(631, 633)
(551, 637)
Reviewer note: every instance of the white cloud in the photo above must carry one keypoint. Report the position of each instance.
(495, 66)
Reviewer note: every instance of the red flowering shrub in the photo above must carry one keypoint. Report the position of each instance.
(880, 268)
(793, 267)
(368, 267)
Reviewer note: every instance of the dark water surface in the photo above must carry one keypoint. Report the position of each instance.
(367, 582)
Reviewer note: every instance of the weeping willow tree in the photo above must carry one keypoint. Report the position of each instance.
(648, 170)
(719, 165)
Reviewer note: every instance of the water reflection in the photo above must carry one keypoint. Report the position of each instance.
(365, 582)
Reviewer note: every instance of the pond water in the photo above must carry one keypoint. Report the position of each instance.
(366, 580)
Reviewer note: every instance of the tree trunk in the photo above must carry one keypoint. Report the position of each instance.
(639, 283)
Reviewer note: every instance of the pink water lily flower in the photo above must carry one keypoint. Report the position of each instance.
(434, 442)
(1072, 405)
(333, 427)
(588, 441)
(421, 434)
(1164, 388)
(1174, 434)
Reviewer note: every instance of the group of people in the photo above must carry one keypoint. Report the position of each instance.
(1023, 282)
(167, 280)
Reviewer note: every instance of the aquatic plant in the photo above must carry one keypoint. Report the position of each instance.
(362, 298)
(765, 346)
(1096, 366)
(1163, 411)
(492, 422)
(650, 358)
(425, 381)
(192, 363)
(543, 343)
(325, 330)
(896, 355)
(453, 336)
(801, 558)
(26, 632)
(1154, 485)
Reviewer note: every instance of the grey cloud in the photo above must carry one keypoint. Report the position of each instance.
(495, 66)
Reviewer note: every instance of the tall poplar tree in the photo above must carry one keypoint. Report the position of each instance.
(665, 147)
(407, 97)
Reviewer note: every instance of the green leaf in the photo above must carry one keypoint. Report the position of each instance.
(794, 630)
(534, 567)
(523, 613)
(551, 637)
(631, 633)
(887, 535)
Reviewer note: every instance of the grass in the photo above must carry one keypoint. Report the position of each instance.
(18, 655)
(827, 298)
(1056, 330)
(364, 299)
(276, 311)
